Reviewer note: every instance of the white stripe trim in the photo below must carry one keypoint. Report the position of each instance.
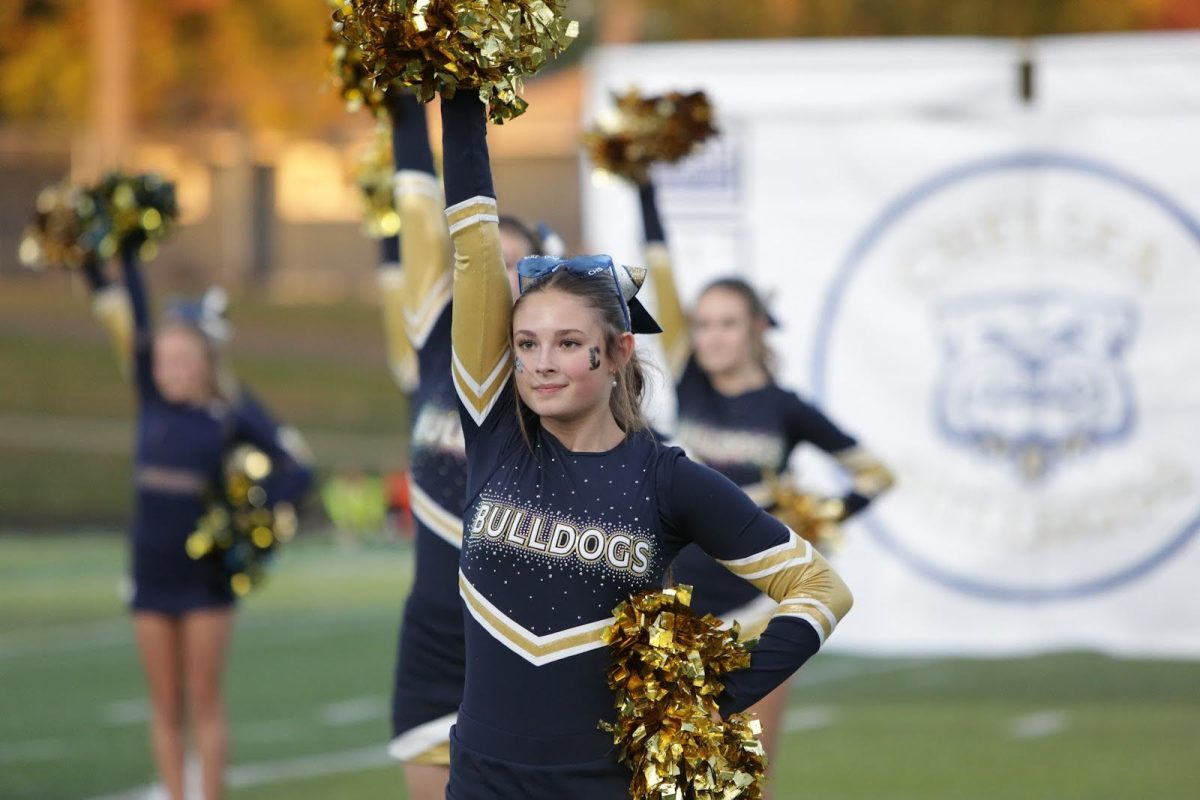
(465, 589)
(793, 539)
(390, 275)
(415, 741)
(437, 519)
(414, 181)
(817, 604)
(474, 219)
(479, 199)
(810, 619)
(419, 323)
(792, 562)
(476, 416)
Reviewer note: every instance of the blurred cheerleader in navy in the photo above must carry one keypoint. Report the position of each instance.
(572, 505)
(186, 425)
(733, 417)
(429, 670)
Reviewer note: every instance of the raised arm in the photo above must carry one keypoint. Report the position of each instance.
(702, 506)
(676, 338)
(482, 329)
(425, 243)
(110, 305)
(143, 355)
(869, 476)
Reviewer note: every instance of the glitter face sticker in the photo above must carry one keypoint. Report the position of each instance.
(594, 358)
(518, 365)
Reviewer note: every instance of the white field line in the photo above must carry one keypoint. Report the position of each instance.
(245, 776)
(807, 719)
(1039, 725)
(32, 750)
(354, 711)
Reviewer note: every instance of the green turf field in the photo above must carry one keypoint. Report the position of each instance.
(310, 673)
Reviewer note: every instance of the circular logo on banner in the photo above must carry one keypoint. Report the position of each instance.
(1017, 337)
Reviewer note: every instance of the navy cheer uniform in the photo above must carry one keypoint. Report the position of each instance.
(555, 539)
(746, 438)
(178, 467)
(429, 664)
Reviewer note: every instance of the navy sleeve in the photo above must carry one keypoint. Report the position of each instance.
(410, 134)
(467, 168)
(389, 251)
(289, 479)
(652, 226)
(700, 505)
(806, 423)
(143, 354)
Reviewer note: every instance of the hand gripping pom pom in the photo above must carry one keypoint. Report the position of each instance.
(641, 131)
(441, 46)
(241, 532)
(665, 674)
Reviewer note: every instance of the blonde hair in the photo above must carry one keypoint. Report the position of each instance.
(625, 402)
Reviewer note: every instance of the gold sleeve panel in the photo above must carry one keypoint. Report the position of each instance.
(797, 577)
(482, 327)
(402, 357)
(424, 251)
(112, 308)
(676, 338)
(871, 478)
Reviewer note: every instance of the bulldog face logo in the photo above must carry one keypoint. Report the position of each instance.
(1034, 378)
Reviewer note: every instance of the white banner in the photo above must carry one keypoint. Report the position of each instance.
(1001, 299)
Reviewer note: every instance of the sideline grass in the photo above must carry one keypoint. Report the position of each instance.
(311, 671)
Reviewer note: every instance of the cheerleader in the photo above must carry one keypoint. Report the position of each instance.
(572, 505)
(733, 417)
(429, 665)
(182, 609)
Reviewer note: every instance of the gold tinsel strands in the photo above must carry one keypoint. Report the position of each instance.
(667, 664)
(373, 177)
(141, 208)
(440, 46)
(641, 131)
(66, 230)
(346, 71)
(812, 517)
(241, 533)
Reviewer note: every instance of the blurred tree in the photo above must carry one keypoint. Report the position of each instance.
(231, 63)
(709, 19)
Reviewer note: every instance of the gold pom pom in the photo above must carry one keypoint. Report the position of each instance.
(440, 46)
(66, 230)
(641, 131)
(352, 80)
(666, 669)
(373, 177)
(141, 210)
(814, 518)
(240, 532)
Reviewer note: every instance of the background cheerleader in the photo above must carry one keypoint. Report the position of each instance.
(733, 417)
(183, 608)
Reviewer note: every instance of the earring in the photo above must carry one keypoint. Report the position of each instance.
(614, 379)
